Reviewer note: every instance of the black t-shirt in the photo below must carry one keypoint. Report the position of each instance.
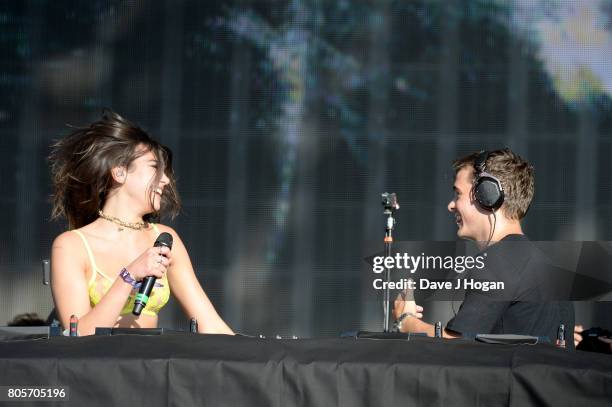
(522, 307)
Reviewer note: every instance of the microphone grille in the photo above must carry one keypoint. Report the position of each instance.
(164, 239)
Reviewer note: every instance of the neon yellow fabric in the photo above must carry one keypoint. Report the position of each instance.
(100, 283)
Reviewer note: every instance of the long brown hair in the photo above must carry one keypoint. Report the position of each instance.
(81, 166)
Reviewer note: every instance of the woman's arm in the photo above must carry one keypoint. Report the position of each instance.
(188, 291)
(70, 290)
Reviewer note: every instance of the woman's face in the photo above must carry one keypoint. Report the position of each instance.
(143, 183)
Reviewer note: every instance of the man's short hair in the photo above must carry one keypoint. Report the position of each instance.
(515, 174)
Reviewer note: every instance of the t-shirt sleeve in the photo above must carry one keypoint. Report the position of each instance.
(478, 314)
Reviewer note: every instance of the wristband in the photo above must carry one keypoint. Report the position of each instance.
(127, 277)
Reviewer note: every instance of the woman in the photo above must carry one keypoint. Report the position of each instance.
(110, 181)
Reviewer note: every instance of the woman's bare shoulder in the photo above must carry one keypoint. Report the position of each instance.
(67, 249)
(68, 239)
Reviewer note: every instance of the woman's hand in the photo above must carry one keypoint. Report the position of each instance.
(153, 262)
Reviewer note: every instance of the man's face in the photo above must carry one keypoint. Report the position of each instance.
(472, 221)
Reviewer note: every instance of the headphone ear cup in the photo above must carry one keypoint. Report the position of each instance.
(488, 193)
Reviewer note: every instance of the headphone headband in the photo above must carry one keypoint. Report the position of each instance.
(480, 163)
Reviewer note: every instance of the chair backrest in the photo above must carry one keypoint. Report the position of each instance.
(46, 271)
(52, 319)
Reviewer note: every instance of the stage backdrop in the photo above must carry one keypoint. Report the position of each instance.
(289, 118)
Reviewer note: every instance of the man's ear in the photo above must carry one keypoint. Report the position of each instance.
(119, 174)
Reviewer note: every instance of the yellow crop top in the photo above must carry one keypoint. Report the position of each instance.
(99, 284)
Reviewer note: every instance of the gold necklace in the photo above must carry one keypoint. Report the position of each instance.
(135, 225)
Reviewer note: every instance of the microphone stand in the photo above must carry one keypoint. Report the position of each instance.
(390, 204)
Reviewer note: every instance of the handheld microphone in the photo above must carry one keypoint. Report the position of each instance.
(164, 239)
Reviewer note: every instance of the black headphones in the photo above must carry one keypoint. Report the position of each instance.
(486, 190)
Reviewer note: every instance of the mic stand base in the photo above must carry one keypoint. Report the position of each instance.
(382, 335)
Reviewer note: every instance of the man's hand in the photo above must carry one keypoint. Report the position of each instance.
(402, 306)
(413, 323)
(578, 335)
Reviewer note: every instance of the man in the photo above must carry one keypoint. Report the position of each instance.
(493, 191)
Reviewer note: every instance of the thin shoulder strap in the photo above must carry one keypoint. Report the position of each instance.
(155, 228)
(89, 252)
(94, 268)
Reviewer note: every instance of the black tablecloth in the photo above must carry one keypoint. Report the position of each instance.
(218, 370)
